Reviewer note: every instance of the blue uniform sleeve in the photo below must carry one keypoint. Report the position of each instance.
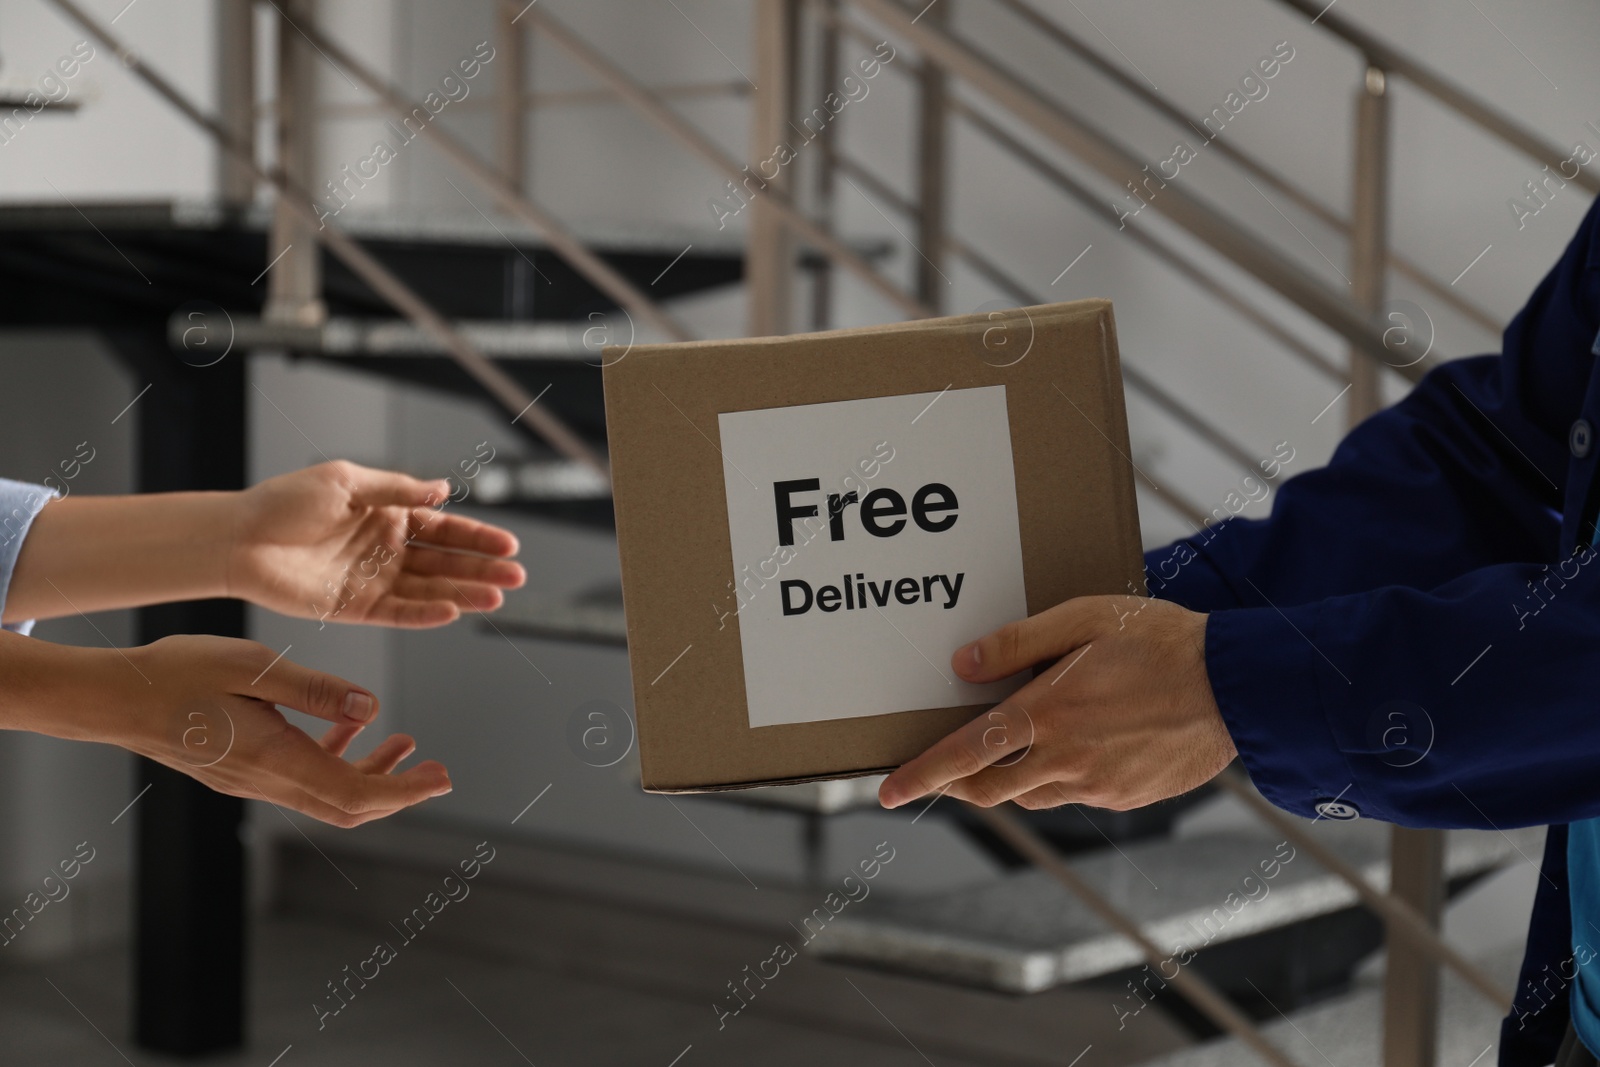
(20, 502)
(1468, 471)
(1414, 496)
(1404, 633)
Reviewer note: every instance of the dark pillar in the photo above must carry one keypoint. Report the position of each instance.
(189, 919)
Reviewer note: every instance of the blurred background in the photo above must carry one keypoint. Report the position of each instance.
(555, 177)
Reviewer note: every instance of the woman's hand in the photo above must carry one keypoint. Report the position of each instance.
(205, 707)
(1125, 717)
(346, 543)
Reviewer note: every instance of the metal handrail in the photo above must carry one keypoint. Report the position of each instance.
(1380, 54)
(361, 109)
(1402, 265)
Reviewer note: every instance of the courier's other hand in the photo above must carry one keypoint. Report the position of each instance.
(1124, 718)
(347, 543)
(207, 708)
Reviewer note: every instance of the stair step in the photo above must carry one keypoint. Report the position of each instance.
(1024, 932)
(1348, 1029)
(554, 342)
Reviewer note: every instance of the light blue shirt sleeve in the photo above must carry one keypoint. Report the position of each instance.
(19, 504)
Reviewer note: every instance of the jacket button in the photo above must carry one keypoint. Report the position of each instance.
(1580, 438)
(1337, 809)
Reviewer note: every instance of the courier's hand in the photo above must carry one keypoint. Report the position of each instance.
(1125, 718)
(347, 543)
(205, 707)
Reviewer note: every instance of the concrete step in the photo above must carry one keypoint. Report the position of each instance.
(1024, 932)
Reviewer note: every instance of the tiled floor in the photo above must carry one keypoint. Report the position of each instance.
(436, 1007)
(425, 1007)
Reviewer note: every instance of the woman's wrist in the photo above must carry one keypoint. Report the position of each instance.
(71, 692)
(87, 553)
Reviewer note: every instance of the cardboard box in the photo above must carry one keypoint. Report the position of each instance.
(809, 526)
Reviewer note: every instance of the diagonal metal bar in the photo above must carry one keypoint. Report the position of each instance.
(646, 103)
(1114, 161)
(594, 269)
(1400, 915)
(1196, 989)
(1402, 265)
(499, 385)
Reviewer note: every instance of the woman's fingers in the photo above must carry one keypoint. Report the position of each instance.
(411, 614)
(463, 567)
(444, 530)
(296, 799)
(384, 757)
(339, 736)
(347, 787)
(380, 488)
(389, 754)
(462, 593)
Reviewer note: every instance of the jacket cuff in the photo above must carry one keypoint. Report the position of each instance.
(1268, 680)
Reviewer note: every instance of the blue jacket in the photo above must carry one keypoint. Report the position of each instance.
(1415, 631)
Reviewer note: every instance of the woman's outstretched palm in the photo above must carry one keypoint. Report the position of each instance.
(346, 543)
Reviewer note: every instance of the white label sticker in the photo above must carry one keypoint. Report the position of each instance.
(871, 539)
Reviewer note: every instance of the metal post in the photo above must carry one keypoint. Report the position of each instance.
(933, 122)
(511, 118)
(1369, 224)
(823, 277)
(1411, 983)
(236, 97)
(769, 260)
(294, 286)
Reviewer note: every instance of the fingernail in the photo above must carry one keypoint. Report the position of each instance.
(359, 706)
(970, 657)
